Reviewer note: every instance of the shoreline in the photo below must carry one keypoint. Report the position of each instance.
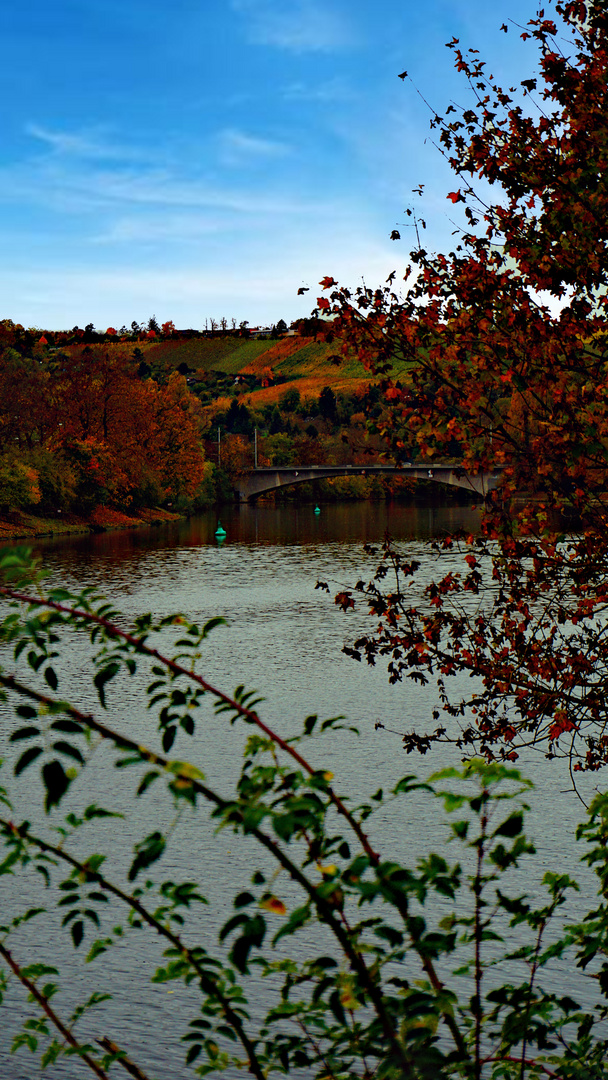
(18, 525)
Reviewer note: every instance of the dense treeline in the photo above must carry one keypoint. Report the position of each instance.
(80, 427)
(156, 417)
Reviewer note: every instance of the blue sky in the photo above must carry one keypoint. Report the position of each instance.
(205, 158)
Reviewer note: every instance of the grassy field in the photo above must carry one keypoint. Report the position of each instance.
(294, 358)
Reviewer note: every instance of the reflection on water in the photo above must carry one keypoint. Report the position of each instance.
(358, 522)
(285, 638)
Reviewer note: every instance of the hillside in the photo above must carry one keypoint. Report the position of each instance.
(100, 428)
(261, 361)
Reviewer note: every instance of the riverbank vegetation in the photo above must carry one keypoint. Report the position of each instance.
(94, 426)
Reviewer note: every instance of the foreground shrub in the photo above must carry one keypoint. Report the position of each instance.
(369, 990)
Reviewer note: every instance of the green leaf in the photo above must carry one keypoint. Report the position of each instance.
(147, 781)
(69, 727)
(243, 899)
(511, 827)
(169, 738)
(26, 712)
(50, 677)
(26, 759)
(71, 751)
(390, 934)
(24, 733)
(102, 677)
(31, 913)
(77, 932)
(148, 852)
(253, 935)
(187, 723)
(336, 1007)
(97, 948)
(211, 624)
(56, 783)
(94, 811)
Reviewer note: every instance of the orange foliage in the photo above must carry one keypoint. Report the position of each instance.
(131, 433)
(309, 387)
(277, 352)
(112, 519)
(236, 454)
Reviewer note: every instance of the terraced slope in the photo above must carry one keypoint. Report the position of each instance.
(305, 362)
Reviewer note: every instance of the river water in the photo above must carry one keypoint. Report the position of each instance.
(285, 639)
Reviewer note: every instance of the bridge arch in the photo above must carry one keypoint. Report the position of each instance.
(270, 478)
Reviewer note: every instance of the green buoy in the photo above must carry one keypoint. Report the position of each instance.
(220, 532)
(317, 509)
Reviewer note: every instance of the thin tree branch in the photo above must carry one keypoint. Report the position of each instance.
(178, 669)
(324, 908)
(207, 984)
(52, 1015)
(122, 1059)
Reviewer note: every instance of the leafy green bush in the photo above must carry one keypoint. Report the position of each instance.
(375, 969)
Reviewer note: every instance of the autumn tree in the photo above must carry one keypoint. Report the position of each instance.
(24, 401)
(176, 445)
(505, 340)
(129, 438)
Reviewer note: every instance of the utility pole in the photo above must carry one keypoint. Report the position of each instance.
(255, 446)
(219, 451)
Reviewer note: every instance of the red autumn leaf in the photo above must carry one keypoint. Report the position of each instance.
(344, 600)
(561, 725)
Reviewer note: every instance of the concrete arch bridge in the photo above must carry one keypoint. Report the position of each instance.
(270, 478)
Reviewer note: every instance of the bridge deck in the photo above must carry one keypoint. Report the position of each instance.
(271, 477)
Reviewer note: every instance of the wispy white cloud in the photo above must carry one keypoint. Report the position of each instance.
(237, 147)
(82, 144)
(295, 25)
(73, 189)
(147, 230)
(323, 93)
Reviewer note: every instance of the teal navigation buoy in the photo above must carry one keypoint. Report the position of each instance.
(220, 532)
(317, 509)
